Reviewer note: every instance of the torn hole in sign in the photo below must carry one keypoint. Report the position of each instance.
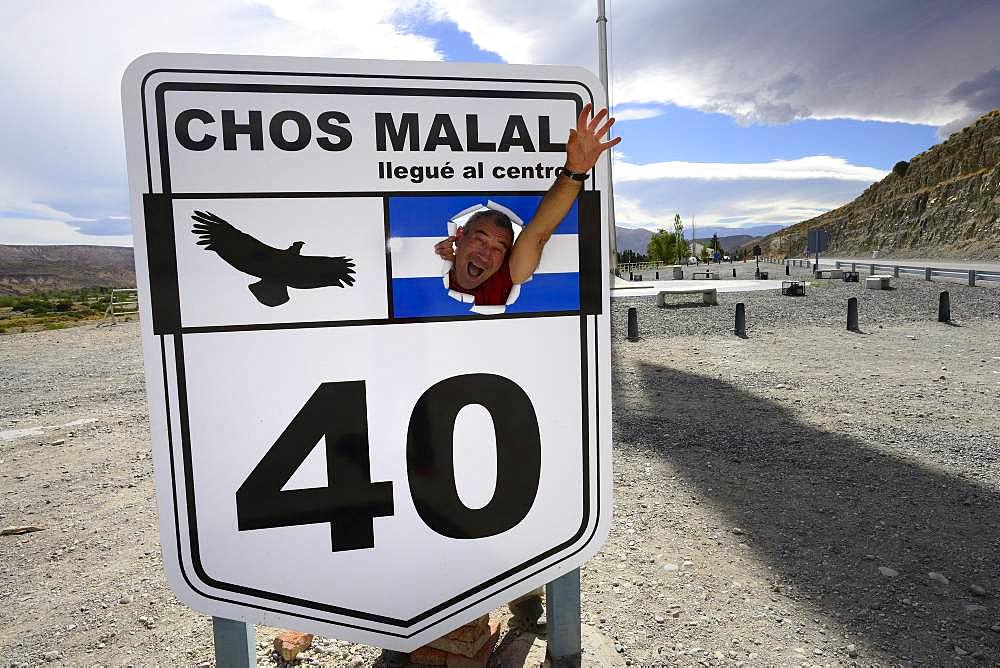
(460, 219)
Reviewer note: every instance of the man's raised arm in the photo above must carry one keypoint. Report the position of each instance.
(583, 148)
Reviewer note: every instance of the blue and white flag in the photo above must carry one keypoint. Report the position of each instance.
(419, 275)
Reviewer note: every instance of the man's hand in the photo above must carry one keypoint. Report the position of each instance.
(584, 145)
(446, 249)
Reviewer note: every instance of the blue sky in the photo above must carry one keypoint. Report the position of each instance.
(733, 112)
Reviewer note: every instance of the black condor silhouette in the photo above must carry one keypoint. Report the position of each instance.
(277, 269)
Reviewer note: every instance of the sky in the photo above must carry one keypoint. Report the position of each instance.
(734, 113)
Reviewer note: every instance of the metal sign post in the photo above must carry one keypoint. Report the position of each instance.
(235, 644)
(562, 596)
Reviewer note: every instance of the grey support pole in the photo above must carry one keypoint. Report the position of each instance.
(562, 597)
(852, 314)
(235, 646)
(927, 273)
(602, 64)
(972, 278)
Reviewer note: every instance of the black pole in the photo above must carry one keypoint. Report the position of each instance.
(741, 320)
(852, 314)
(633, 324)
(787, 272)
(734, 273)
(944, 307)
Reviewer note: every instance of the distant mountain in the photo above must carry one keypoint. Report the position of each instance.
(753, 231)
(943, 203)
(27, 269)
(632, 239)
(731, 238)
(730, 243)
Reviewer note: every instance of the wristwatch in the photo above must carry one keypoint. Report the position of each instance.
(576, 176)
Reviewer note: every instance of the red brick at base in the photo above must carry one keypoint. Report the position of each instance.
(289, 643)
(485, 641)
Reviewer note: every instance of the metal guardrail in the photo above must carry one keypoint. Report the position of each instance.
(972, 275)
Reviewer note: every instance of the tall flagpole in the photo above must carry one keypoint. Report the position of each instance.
(602, 63)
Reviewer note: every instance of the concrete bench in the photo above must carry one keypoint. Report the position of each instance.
(710, 296)
(877, 282)
(793, 288)
(829, 273)
(710, 275)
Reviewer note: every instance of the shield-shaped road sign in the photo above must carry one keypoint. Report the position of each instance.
(344, 442)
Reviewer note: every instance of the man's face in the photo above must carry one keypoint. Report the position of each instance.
(480, 251)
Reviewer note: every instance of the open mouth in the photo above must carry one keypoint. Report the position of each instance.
(475, 271)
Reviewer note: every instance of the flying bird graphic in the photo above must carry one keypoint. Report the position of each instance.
(277, 269)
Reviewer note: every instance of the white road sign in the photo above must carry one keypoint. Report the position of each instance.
(353, 435)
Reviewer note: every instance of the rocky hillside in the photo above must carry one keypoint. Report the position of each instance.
(27, 269)
(943, 203)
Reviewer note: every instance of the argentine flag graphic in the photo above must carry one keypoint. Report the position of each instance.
(420, 277)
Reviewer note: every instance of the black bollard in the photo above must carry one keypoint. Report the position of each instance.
(657, 275)
(852, 314)
(734, 273)
(633, 324)
(787, 273)
(741, 320)
(944, 307)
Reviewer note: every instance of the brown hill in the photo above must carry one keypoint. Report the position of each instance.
(944, 203)
(28, 269)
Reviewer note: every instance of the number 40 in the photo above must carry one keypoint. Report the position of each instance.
(338, 413)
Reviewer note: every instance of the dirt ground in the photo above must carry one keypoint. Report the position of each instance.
(781, 500)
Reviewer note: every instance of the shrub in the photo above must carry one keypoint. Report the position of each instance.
(899, 169)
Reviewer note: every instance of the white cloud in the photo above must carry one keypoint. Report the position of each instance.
(893, 60)
(61, 63)
(636, 113)
(61, 154)
(751, 200)
(812, 167)
(48, 231)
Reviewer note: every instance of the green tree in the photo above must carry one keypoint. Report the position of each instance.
(629, 256)
(704, 254)
(683, 250)
(662, 247)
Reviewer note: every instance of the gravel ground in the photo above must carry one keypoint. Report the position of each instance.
(780, 499)
(911, 300)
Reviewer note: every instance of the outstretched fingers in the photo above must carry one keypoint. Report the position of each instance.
(597, 121)
(581, 120)
(608, 144)
(603, 130)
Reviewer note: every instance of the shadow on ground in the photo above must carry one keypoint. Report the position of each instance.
(825, 511)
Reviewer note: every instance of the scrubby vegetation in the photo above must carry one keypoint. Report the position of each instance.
(52, 310)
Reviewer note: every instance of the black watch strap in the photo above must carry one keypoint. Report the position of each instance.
(576, 176)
